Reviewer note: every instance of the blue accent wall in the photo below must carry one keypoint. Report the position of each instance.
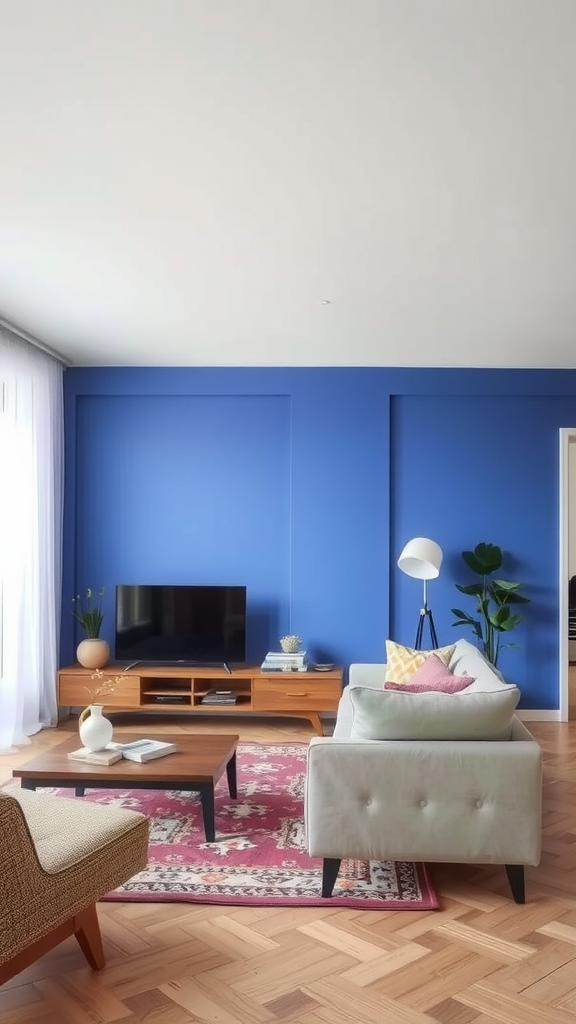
(305, 483)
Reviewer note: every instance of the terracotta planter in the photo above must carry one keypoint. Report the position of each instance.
(93, 653)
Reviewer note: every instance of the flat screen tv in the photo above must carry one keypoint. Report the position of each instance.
(180, 624)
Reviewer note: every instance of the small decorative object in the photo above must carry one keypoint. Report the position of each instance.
(92, 652)
(290, 644)
(95, 730)
(493, 600)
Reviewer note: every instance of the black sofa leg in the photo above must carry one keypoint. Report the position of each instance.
(330, 869)
(515, 874)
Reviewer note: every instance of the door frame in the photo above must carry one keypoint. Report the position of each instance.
(567, 437)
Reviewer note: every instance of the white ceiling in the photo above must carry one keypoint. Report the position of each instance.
(183, 182)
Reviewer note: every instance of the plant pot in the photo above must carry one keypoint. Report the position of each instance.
(95, 730)
(93, 653)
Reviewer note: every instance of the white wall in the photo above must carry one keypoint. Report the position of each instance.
(185, 182)
(572, 508)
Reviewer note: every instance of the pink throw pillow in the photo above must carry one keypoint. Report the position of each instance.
(432, 676)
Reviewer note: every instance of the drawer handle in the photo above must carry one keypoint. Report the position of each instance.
(305, 694)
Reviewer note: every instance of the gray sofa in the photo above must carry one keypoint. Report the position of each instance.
(475, 799)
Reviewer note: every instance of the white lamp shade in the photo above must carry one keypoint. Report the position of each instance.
(421, 558)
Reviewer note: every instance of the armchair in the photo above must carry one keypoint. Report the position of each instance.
(57, 858)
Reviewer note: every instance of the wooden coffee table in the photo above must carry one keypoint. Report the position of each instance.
(196, 767)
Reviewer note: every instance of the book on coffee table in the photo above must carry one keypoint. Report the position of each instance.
(105, 757)
(143, 750)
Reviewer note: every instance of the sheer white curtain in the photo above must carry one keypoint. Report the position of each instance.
(31, 485)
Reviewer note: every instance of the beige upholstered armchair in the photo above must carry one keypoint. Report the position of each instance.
(57, 858)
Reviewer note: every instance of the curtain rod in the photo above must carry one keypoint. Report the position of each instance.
(33, 341)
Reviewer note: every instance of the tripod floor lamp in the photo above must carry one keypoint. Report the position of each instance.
(421, 558)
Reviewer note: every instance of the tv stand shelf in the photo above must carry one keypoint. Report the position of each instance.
(169, 688)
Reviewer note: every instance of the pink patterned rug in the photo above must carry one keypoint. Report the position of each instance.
(259, 857)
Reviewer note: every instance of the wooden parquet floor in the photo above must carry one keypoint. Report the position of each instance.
(479, 958)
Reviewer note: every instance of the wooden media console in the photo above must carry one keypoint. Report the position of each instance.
(175, 688)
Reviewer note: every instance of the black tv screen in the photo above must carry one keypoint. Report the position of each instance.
(194, 625)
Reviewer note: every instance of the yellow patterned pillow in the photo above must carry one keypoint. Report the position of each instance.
(402, 662)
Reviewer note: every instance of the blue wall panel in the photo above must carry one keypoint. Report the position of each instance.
(340, 514)
(168, 491)
(482, 468)
(305, 484)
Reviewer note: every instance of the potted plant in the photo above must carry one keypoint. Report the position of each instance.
(494, 598)
(93, 652)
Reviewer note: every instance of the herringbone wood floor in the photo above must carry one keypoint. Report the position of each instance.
(480, 958)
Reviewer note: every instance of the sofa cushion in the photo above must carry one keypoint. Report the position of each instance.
(400, 715)
(433, 675)
(66, 831)
(402, 662)
(468, 659)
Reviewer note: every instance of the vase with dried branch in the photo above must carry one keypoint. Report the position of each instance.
(95, 729)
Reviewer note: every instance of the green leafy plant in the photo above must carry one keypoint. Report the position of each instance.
(494, 598)
(89, 615)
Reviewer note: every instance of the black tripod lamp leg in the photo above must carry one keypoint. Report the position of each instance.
(433, 636)
(419, 631)
(425, 613)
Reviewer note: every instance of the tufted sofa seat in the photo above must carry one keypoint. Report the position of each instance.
(432, 800)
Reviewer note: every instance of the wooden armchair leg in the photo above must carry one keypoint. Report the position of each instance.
(87, 932)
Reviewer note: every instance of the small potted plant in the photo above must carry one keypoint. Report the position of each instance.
(93, 652)
(494, 598)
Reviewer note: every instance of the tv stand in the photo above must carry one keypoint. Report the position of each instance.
(179, 688)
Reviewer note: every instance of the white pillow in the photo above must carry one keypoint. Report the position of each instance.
(394, 715)
(469, 660)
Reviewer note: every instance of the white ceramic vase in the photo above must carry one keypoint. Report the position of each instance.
(93, 653)
(95, 730)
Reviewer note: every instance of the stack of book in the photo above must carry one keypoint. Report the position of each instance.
(103, 757)
(218, 697)
(144, 750)
(278, 661)
(138, 750)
